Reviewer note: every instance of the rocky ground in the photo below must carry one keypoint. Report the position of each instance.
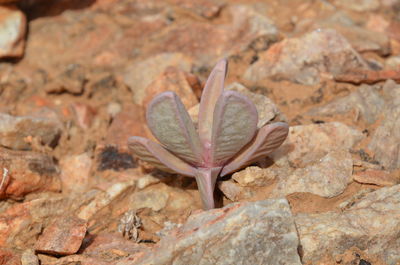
(75, 78)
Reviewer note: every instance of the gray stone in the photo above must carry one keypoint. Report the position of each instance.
(15, 131)
(308, 143)
(260, 232)
(370, 224)
(366, 101)
(327, 177)
(12, 32)
(385, 141)
(303, 59)
(140, 75)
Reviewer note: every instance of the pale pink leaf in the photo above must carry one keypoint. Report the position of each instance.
(268, 138)
(211, 92)
(170, 123)
(234, 125)
(158, 156)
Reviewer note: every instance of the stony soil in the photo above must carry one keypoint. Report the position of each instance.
(75, 79)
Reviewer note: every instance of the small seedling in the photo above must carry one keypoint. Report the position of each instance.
(227, 138)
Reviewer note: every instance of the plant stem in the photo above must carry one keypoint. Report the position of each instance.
(206, 179)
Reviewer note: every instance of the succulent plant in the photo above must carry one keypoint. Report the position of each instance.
(226, 140)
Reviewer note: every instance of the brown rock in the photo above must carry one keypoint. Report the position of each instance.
(21, 223)
(174, 80)
(9, 257)
(129, 122)
(84, 114)
(28, 257)
(304, 59)
(141, 74)
(63, 237)
(12, 32)
(254, 176)
(205, 8)
(75, 172)
(25, 172)
(376, 177)
(17, 132)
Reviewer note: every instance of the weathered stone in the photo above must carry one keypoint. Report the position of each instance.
(22, 223)
(161, 196)
(385, 141)
(146, 181)
(84, 114)
(9, 257)
(103, 199)
(247, 233)
(129, 122)
(371, 224)
(17, 132)
(328, 177)
(360, 38)
(28, 257)
(71, 80)
(267, 110)
(254, 176)
(75, 172)
(12, 32)
(25, 172)
(140, 75)
(366, 101)
(376, 177)
(359, 5)
(205, 8)
(62, 237)
(174, 80)
(308, 143)
(303, 59)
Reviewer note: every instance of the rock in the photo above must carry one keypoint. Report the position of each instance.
(146, 181)
(360, 38)
(207, 42)
(254, 176)
(84, 114)
(109, 246)
(17, 132)
(204, 8)
(12, 32)
(358, 5)
(248, 233)
(63, 237)
(110, 158)
(72, 80)
(385, 142)
(327, 177)
(104, 198)
(174, 80)
(9, 257)
(141, 74)
(235, 192)
(393, 62)
(161, 196)
(308, 143)
(28, 257)
(304, 59)
(21, 223)
(376, 177)
(129, 122)
(366, 102)
(370, 224)
(75, 172)
(267, 110)
(24, 172)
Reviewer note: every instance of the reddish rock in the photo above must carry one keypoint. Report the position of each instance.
(205, 8)
(376, 177)
(304, 59)
(24, 172)
(21, 223)
(12, 32)
(84, 114)
(63, 237)
(75, 172)
(9, 257)
(129, 122)
(171, 80)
